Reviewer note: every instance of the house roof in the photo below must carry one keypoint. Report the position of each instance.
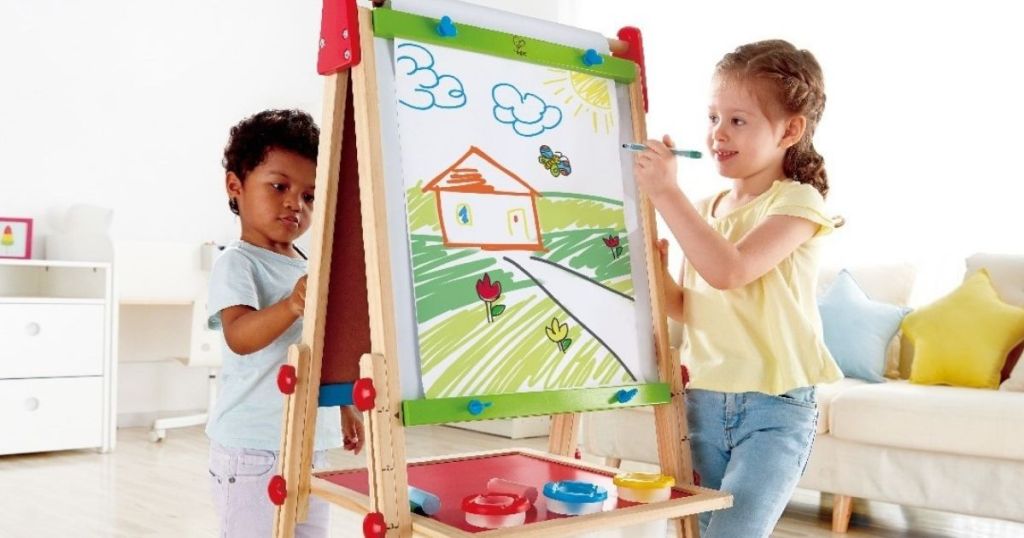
(477, 172)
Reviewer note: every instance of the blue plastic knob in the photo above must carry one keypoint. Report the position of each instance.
(476, 407)
(446, 28)
(625, 395)
(591, 57)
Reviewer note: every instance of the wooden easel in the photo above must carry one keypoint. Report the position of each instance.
(350, 67)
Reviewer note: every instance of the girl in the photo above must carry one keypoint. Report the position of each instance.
(257, 297)
(747, 300)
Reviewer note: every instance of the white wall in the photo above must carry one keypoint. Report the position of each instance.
(921, 130)
(127, 105)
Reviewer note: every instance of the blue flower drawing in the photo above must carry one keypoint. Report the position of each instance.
(528, 114)
(426, 89)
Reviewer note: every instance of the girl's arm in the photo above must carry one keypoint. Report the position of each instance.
(673, 292)
(719, 262)
(247, 330)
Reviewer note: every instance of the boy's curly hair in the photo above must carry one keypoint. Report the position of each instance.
(251, 138)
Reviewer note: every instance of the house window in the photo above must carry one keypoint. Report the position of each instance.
(463, 215)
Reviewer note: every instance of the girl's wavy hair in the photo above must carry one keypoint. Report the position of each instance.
(792, 81)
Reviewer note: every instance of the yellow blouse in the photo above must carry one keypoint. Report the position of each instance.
(765, 336)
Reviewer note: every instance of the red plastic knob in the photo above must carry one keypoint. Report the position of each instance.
(363, 394)
(373, 525)
(286, 379)
(277, 489)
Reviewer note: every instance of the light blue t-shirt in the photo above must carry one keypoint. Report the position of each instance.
(249, 405)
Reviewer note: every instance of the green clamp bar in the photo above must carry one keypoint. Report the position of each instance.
(391, 24)
(525, 404)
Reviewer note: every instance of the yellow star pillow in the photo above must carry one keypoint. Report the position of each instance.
(963, 338)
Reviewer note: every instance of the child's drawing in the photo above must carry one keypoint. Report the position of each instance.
(489, 292)
(528, 114)
(554, 161)
(516, 286)
(505, 206)
(587, 95)
(558, 333)
(423, 88)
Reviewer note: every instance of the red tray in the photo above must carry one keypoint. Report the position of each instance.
(454, 479)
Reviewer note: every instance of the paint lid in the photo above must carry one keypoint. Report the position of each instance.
(644, 481)
(575, 491)
(495, 504)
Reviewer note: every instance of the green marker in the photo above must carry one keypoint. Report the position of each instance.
(688, 153)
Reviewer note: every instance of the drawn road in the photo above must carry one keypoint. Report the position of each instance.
(606, 314)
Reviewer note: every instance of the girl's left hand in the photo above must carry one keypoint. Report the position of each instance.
(655, 168)
(352, 429)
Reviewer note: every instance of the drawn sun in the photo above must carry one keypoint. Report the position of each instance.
(594, 97)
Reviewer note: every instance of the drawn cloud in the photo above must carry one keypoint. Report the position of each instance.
(427, 88)
(528, 114)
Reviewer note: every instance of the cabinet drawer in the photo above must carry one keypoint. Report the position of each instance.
(37, 415)
(51, 340)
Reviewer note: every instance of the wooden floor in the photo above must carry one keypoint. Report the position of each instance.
(146, 489)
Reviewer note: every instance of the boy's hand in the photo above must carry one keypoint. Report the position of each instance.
(297, 300)
(655, 168)
(351, 429)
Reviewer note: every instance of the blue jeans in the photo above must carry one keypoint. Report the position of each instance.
(754, 446)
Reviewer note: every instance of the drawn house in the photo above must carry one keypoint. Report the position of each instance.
(480, 203)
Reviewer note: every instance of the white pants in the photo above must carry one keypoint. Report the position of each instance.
(238, 480)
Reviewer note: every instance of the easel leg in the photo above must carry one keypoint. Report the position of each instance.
(564, 434)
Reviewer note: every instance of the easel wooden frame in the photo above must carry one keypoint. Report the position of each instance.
(387, 505)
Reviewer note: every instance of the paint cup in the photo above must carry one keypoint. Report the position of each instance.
(500, 485)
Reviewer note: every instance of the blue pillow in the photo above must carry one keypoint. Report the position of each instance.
(857, 330)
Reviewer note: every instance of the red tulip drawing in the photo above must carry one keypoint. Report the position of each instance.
(489, 292)
(612, 242)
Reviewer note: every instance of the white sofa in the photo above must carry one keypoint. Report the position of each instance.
(944, 448)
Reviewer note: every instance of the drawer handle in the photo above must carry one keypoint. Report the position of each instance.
(32, 329)
(31, 404)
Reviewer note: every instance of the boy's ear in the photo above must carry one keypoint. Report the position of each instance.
(233, 185)
(795, 128)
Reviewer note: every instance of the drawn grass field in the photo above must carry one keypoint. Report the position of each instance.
(457, 336)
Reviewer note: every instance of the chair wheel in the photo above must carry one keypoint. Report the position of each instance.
(157, 435)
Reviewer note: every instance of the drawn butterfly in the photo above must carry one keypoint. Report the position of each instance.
(554, 161)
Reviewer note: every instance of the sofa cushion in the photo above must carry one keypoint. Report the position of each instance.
(963, 338)
(940, 419)
(827, 392)
(1011, 362)
(1007, 274)
(857, 330)
(886, 283)
(1016, 380)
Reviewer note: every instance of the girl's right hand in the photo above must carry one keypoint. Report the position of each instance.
(297, 300)
(663, 258)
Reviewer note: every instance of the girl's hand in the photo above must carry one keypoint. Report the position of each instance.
(655, 168)
(351, 429)
(663, 257)
(297, 300)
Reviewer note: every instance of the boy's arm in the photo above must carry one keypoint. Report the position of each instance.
(247, 330)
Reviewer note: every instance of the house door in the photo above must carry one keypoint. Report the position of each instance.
(518, 227)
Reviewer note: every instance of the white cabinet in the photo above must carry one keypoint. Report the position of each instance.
(57, 370)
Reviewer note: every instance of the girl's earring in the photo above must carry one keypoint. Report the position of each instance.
(233, 205)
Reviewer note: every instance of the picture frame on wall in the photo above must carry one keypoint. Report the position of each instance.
(15, 238)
